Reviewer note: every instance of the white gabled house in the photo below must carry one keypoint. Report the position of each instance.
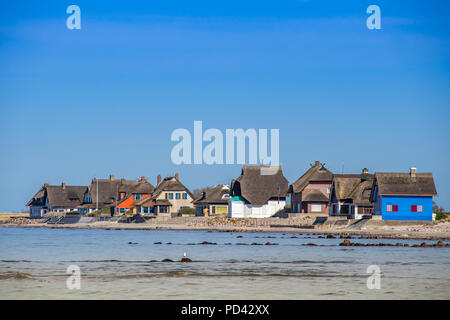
(256, 195)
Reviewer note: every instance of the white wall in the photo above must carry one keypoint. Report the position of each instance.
(238, 209)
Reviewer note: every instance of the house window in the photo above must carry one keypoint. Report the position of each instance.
(316, 208)
(213, 210)
(163, 209)
(389, 208)
(171, 196)
(413, 208)
(395, 208)
(167, 195)
(177, 196)
(419, 208)
(137, 196)
(122, 210)
(146, 209)
(185, 195)
(328, 189)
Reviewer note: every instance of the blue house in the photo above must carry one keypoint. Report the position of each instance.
(403, 196)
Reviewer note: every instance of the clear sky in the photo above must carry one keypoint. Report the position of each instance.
(78, 104)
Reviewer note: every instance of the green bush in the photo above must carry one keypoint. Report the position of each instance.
(188, 211)
(441, 215)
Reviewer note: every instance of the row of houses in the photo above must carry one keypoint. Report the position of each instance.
(254, 194)
(391, 195)
(113, 196)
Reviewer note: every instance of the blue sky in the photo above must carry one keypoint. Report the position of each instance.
(105, 99)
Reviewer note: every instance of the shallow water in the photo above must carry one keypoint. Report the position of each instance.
(127, 264)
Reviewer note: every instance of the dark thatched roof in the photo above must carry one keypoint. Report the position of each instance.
(214, 195)
(396, 183)
(158, 202)
(256, 188)
(38, 199)
(315, 196)
(162, 202)
(141, 186)
(170, 184)
(353, 187)
(108, 190)
(58, 196)
(317, 173)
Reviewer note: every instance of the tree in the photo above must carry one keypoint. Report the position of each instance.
(437, 208)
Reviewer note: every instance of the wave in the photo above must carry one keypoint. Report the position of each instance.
(220, 261)
(178, 274)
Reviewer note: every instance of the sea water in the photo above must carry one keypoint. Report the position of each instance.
(128, 264)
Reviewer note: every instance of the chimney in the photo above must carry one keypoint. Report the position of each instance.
(159, 179)
(177, 176)
(412, 172)
(317, 163)
(111, 177)
(63, 185)
(365, 170)
(45, 185)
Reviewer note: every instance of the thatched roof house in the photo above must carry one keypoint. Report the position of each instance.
(107, 193)
(213, 200)
(403, 196)
(169, 198)
(350, 194)
(57, 198)
(256, 194)
(310, 193)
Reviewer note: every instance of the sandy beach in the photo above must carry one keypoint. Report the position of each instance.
(303, 225)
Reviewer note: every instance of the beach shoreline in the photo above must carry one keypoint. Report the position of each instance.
(425, 232)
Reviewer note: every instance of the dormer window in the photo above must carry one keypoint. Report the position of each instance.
(137, 196)
(88, 198)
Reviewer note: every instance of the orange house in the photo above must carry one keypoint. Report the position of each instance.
(131, 193)
(129, 203)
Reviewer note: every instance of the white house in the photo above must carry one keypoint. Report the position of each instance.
(256, 195)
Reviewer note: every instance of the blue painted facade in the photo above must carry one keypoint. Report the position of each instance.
(404, 205)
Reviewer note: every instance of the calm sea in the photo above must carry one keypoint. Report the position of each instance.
(127, 264)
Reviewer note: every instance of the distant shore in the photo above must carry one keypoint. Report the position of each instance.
(411, 231)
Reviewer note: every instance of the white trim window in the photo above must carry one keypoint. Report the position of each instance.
(419, 208)
(389, 208)
(316, 207)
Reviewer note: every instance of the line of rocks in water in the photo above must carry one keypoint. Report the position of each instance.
(349, 236)
(228, 243)
(347, 243)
